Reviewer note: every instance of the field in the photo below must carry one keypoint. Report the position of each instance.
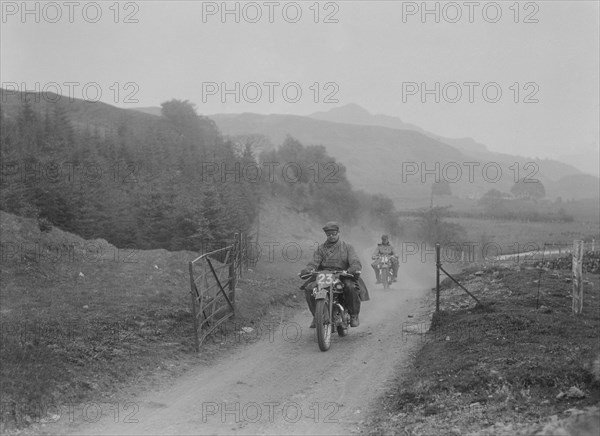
(521, 363)
(584, 210)
(514, 236)
(511, 236)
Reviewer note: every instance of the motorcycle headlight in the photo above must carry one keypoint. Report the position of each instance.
(339, 286)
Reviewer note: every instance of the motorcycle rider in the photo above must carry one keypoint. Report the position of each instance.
(337, 255)
(385, 248)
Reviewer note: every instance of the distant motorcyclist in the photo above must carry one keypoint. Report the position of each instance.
(385, 248)
(336, 255)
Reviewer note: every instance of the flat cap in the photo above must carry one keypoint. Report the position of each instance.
(332, 225)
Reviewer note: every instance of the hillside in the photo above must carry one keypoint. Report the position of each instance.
(366, 151)
(405, 160)
(152, 110)
(101, 118)
(82, 113)
(359, 139)
(354, 114)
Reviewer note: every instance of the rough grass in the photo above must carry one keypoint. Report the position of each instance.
(84, 327)
(505, 361)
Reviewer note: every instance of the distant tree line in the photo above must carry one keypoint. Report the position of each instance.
(140, 187)
(174, 182)
(317, 184)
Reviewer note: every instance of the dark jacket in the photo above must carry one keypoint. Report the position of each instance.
(383, 249)
(339, 255)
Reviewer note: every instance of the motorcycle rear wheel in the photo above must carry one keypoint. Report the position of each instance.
(324, 325)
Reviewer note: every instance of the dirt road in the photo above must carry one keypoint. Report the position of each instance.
(282, 384)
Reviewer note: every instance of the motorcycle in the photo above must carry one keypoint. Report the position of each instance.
(386, 270)
(330, 313)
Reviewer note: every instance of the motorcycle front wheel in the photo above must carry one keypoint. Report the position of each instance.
(385, 278)
(323, 325)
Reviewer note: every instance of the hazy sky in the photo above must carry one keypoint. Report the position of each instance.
(542, 56)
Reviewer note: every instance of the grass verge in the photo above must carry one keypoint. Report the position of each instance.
(510, 364)
(82, 321)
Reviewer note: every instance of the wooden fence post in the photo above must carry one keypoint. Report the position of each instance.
(235, 258)
(245, 251)
(437, 277)
(240, 244)
(577, 277)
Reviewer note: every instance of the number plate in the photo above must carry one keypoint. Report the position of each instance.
(324, 279)
(320, 294)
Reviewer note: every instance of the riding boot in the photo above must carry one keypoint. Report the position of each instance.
(351, 296)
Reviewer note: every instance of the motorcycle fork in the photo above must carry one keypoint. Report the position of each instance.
(330, 298)
(342, 313)
(337, 306)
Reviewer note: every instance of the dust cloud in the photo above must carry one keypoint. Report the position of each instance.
(416, 275)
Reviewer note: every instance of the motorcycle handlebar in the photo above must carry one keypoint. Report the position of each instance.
(311, 273)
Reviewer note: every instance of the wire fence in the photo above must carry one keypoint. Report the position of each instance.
(577, 257)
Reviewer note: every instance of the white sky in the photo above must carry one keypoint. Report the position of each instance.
(369, 53)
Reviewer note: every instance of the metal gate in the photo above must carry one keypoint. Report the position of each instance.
(213, 279)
